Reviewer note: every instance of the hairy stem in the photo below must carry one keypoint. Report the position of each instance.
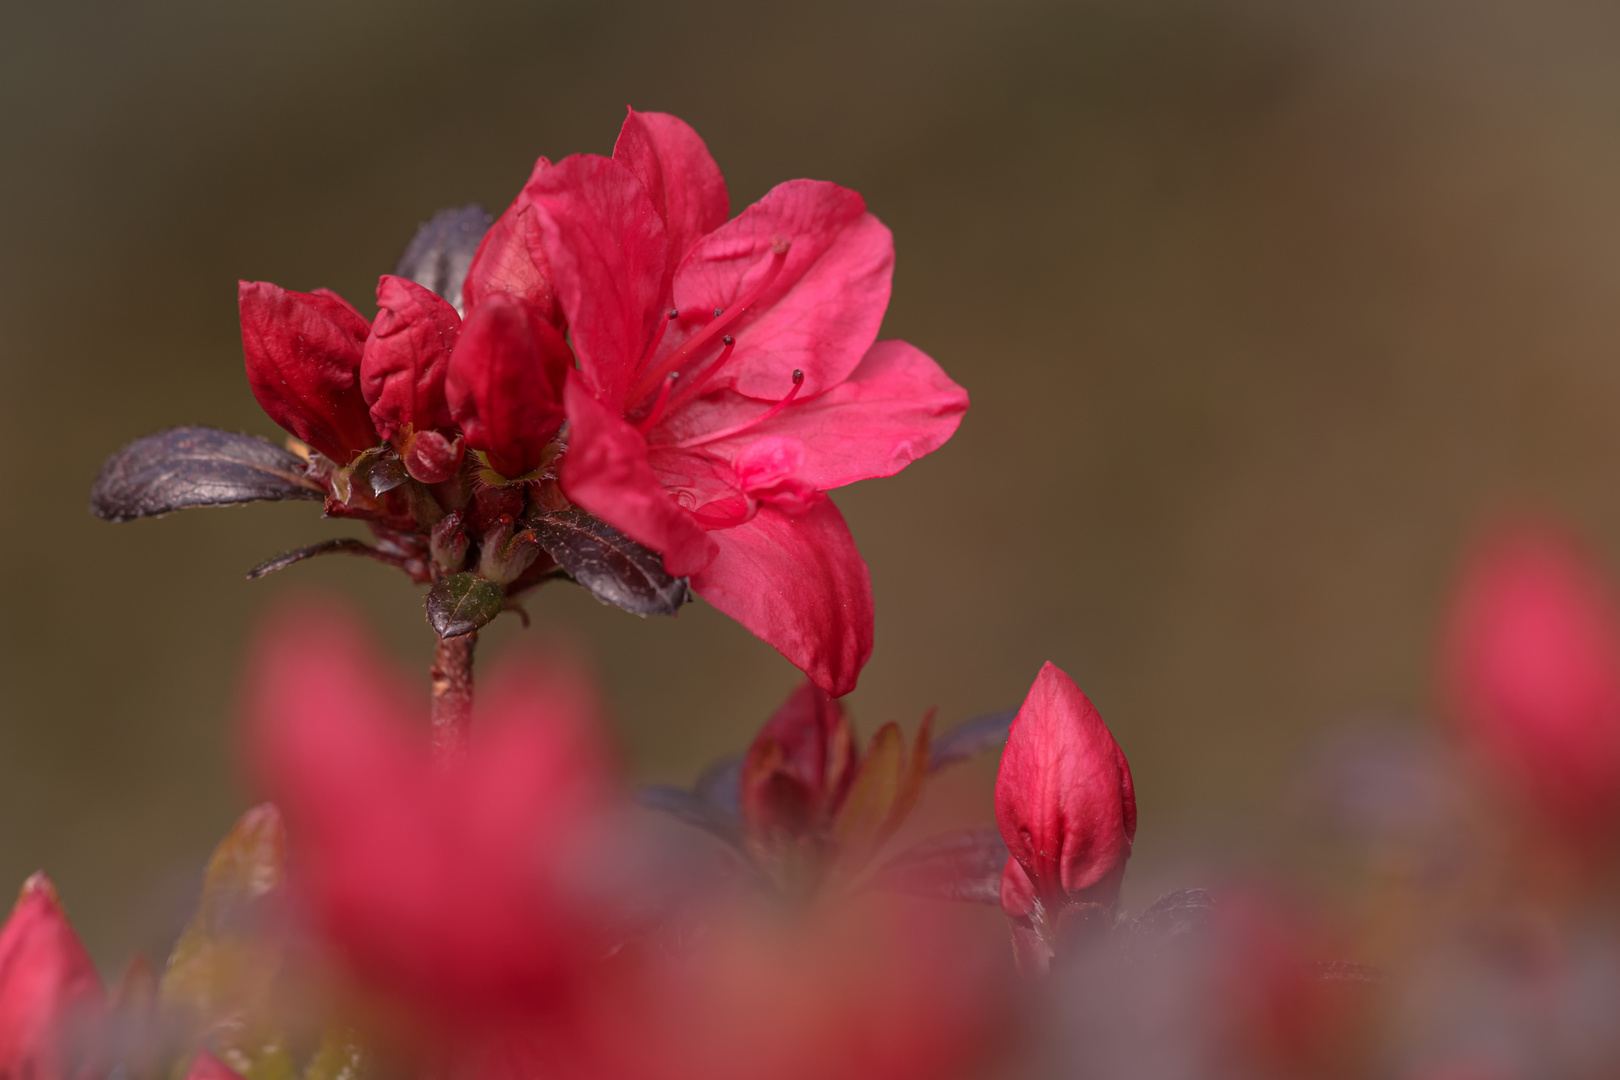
(452, 696)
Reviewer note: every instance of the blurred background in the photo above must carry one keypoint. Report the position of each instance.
(1261, 306)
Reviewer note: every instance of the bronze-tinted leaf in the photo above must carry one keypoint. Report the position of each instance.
(341, 545)
(462, 603)
(615, 568)
(222, 968)
(964, 864)
(196, 466)
(860, 822)
(340, 1056)
(440, 253)
(970, 739)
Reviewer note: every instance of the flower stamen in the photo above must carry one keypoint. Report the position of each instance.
(737, 429)
(723, 317)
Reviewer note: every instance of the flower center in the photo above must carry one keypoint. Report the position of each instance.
(655, 378)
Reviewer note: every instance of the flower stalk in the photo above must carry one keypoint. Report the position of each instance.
(451, 717)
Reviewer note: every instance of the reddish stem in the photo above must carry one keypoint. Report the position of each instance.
(452, 673)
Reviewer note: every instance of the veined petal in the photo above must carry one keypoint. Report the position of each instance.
(680, 177)
(894, 408)
(1064, 798)
(820, 311)
(303, 358)
(605, 470)
(403, 367)
(606, 247)
(511, 259)
(799, 584)
(504, 385)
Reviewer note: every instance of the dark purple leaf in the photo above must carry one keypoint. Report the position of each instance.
(721, 786)
(344, 546)
(615, 568)
(693, 810)
(970, 739)
(463, 603)
(439, 254)
(962, 865)
(1172, 917)
(185, 467)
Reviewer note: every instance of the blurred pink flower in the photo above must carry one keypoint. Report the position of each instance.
(729, 375)
(1531, 671)
(1067, 810)
(50, 993)
(458, 889)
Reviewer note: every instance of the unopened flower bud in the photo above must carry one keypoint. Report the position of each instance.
(448, 542)
(1532, 673)
(431, 457)
(1066, 808)
(504, 554)
(798, 768)
(48, 988)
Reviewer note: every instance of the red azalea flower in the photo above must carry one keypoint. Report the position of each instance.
(50, 992)
(456, 889)
(1067, 810)
(728, 377)
(1532, 672)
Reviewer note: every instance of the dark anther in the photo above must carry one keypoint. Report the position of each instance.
(673, 313)
(798, 376)
(718, 312)
(727, 339)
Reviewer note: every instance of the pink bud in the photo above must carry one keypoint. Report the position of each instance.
(431, 457)
(1532, 671)
(49, 989)
(303, 357)
(799, 766)
(505, 383)
(406, 356)
(1064, 801)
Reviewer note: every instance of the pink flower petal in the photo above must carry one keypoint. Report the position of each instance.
(894, 408)
(454, 889)
(606, 246)
(821, 311)
(511, 259)
(402, 369)
(605, 470)
(303, 358)
(680, 176)
(798, 583)
(1532, 670)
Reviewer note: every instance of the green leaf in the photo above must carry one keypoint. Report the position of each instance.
(220, 977)
(462, 603)
(340, 1056)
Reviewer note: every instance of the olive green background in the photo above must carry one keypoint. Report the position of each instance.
(1261, 307)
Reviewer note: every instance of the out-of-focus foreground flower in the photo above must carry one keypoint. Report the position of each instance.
(1532, 672)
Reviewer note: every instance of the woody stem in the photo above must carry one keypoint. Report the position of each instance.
(452, 674)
